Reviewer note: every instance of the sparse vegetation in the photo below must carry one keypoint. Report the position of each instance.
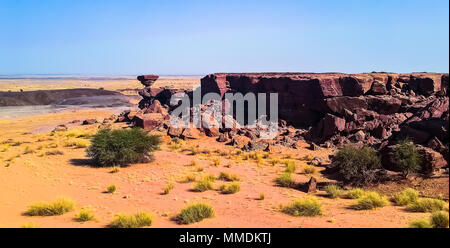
(203, 185)
(59, 207)
(290, 166)
(189, 178)
(230, 189)
(439, 220)
(76, 143)
(371, 200)
(286, 180)
(357, 164)
(309, 169)
(28, 225)
(304, 207)
(119, 147)
(195, 213)
(115, 169)
(84, 215)
(28, 150)
(407, 157)
(420, 224)
(426, 205)
(137, 220)
(354, 193)
(228, 177)
(216, 162)
(407, 196)
(54, 152)
(334, 191)
(111, 189)
(168, 188)
(262, 196)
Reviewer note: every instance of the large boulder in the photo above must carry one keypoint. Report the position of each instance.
(148, 121)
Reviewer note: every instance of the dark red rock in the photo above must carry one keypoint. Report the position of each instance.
(331, 125)
(431, 160)
(311, 186)
(148, 121)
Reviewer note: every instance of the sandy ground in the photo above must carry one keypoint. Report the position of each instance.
(26, 178)
(123, 84)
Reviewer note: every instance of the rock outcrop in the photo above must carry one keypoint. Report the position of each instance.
(328, 109)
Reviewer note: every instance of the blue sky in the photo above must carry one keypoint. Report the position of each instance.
(201, 37)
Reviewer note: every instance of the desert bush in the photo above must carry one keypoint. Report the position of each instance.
(357, 164)
(189, 178)
(354, 193)
(84, 215)
(333, 191)
(290, 166)
(59, 207)
(407, 196)
(168, 188)
(115, 169)
(426, 205)
(203, 185)
(195, 213)
(228, 177)
(119, 147)
(230, 189)
(286, 180)
(309, 169)
(262, 196)
(137, 220)
(216, 162)
(304, 207)
(111, 189)
(406, 157)
(76, 143)
(371, 200)
(420, 224)
(439, 220)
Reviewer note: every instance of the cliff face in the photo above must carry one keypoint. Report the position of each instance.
(305, 98)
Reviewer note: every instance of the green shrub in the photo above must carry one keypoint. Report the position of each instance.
(286, 180)
(111, 189)
(304, 207)
(85, 215)
(426, 205)
(333, 191)
(439, 220)
(420, 224)
(407, 196)
(195, 213)
(371, 200)
(357, 164)
(120, 147)
(228, 177)
(230, 189)
(137, 220)
(203, 185)
(406, 157)
(354, 193)
(59, 207)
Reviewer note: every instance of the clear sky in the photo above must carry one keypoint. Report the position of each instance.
(200, 37)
